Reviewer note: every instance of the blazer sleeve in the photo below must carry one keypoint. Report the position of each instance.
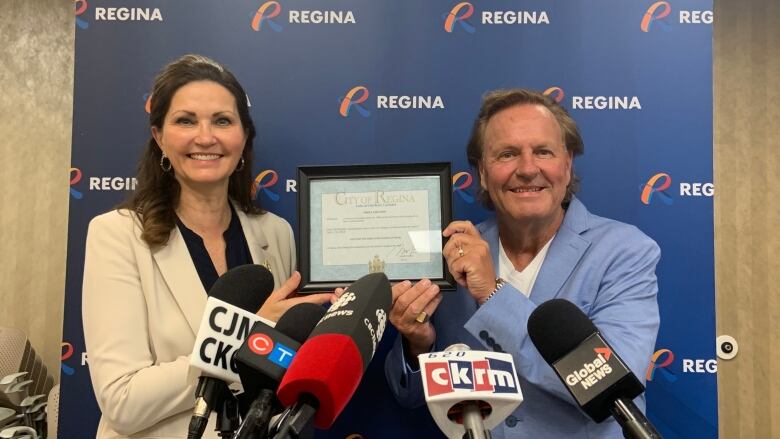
(405, 383)
(133, 391)
(624, 309)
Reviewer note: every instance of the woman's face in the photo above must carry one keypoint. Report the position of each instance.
(202, 136)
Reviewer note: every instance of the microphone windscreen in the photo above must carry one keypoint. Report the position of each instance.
(557, 327)
(360, 313)
(330, 364)
(298, 321)
(246, 287)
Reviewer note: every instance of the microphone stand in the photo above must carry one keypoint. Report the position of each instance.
(634, 424)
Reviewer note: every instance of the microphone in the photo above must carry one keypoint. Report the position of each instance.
(468, 389)
(265, 356)
(596, 377)
(229, 314)
(328, 367)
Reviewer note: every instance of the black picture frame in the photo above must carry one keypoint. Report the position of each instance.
(372, 175)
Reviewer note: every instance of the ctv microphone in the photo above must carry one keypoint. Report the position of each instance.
(264, 358)
(328, 367)
(596, 377)
(471, 390)
(229, 314)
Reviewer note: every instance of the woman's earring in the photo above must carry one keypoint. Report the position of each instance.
(165, 163)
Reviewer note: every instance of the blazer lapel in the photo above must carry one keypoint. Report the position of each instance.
(564, 254)
(182, 279)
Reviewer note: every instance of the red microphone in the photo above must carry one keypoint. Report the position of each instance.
(328, 367)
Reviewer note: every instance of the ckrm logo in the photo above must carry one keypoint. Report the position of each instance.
(457, 19)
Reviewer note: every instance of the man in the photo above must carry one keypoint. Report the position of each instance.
(542, 244)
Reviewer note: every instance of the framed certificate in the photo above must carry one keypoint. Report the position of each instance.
(359, 219)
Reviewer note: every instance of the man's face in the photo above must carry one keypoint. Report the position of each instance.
(525, 166)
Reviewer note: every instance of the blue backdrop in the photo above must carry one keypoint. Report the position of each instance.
(636, 75)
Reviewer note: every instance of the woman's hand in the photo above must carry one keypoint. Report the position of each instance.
(285, 297)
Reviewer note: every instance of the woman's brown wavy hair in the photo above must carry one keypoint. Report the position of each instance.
(157, 194)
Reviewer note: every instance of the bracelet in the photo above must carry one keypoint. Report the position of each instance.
(499, 284)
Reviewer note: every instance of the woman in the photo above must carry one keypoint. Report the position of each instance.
(149, 264)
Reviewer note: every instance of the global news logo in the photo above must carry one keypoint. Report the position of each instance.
(490, 375)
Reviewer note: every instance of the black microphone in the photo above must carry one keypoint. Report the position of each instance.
(239, 291)
(264, 358)
(328, 367)
(596, 377)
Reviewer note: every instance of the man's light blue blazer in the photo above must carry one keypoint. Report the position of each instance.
(606, 268)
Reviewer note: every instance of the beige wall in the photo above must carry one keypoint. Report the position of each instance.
(747, 213)
(36, 73)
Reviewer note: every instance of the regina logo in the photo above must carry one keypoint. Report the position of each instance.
(264, 14)
(357, 96)
(354, 98)
(657, 184)
(659, 361)
(658, 11)
(555, 93)
(81, 7)
(459, 14)
(67, 352)
(75, 177)
(265, 180)
(460, 183)
(490, 375)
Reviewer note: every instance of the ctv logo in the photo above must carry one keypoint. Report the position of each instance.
(659, 12)
(592, 372)
(490, 375)
(358, 95)
(278, 353)
(458, 18)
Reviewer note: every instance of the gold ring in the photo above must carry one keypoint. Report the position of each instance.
(422, 317)
(461, 252)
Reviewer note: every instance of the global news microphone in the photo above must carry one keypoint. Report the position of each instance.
(542, 243)
(149, 263)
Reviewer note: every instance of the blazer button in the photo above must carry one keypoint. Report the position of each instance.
(490, 341)
(497, 348)
(511, 421)
(483, 335)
